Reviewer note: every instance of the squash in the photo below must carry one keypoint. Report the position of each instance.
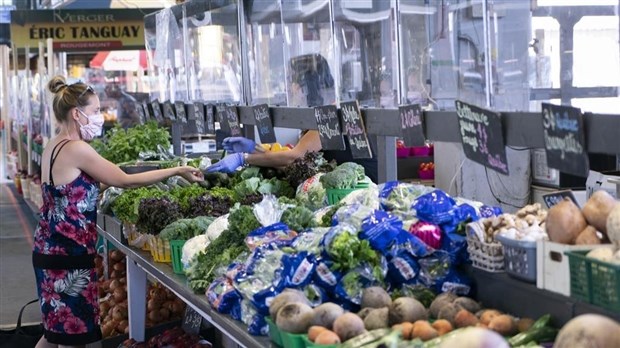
(588, 237)
(613, 225)
(597, 209)
(564, 222)
(589, 330)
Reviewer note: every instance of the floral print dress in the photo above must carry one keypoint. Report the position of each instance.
(64, 260)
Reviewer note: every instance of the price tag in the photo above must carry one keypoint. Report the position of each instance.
(565, 140)
(482, 136)
(354, 129)
(227, 116)
(157, 111)
(411, 125)
(179, 106)
(141, 114)
(263, 124)
(209, 119)
(199, 117)
(552, 199)
(169, 111)
(191, 321)
(328, 125)
(222, 118)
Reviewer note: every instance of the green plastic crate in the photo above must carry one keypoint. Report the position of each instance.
(335, 195)
(310, 344)
(290, 340)
(176, 251)
(274, 332)
(594, 281)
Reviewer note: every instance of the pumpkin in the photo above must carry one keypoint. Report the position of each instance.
(597, 209)
(564, 222)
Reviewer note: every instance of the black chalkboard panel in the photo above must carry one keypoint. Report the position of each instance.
(179, 106)
(229, 121)
(482, 136)
(554, 198)
(263, 124)
(141, 113)
(411, 125)
(148, 115)
(199, 117)
(209, 119)
(169, 111)
(191, 321)
(565, 139)
(157, 111)
(353, 125)
(328, 125)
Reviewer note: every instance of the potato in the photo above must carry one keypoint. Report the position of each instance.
(440, 301)
(285, 297)
(488, 315)
(423, 330)
(564, 222)
(327, 337)
(465, 318)
(348, 326)
(375, 297)
(405, 329)
(503, 325)
(314, 331)
(467, 303)
(377, 319)
(406, 309)
(442, 326)
(295, 318)
(326, 313)
(597, 209)
(587, 237)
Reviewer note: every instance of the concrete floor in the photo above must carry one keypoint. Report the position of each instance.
(17, 283)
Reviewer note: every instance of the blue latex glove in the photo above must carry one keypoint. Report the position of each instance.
(238, 144)
(228, 164)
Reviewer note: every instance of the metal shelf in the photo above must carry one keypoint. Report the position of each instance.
(177, 283)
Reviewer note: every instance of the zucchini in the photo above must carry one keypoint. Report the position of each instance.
(365, 338)
(538, 335)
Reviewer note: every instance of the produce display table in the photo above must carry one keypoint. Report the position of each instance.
(139, 264)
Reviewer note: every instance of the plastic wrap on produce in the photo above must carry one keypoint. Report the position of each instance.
(192, 247)
(257, 326)
(399, 197)
(217, 227)
(324, 216)
(456, 246)
(435, 207)
(315, 294)
(349, 289)
(269, 211)
(435, 268)
(402, 267)
(368, 197)
(222, 295)
(353, 215)
(262, 278)
(107, 198)
(278, 234)
(311, 193)
(482, 210)
(381, 229)
(298, 269)
(428, 233)
(325, 275)
(310, 240)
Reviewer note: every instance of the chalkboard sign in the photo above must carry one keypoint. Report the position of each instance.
(140, 112)
(565, 139)
(229, 122)
(482, 136)
(147, 112)
(328, 125)
(157, 111)
(552, 199)
(191, 321)
(411, 125)
(199, 117)
(353, 125)
(209, 119)
(179, 106)
(263, 124)
(169, 111)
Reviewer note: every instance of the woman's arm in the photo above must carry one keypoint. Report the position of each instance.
(310, 142)
(108, 173)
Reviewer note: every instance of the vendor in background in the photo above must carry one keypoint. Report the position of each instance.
(313, 73)
(127, 114)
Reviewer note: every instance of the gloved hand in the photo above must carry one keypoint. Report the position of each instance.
(227, 164)
(238, 144)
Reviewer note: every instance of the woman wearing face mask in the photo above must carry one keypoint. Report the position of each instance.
(64, 242)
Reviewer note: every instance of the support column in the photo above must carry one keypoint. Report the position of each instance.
(136, 298)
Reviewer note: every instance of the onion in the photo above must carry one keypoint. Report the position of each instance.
(152, 305)
(177, 307)
(154, 316)
(122, 325)
(119, 266)
(116, 255)
(114, 284)
(164, 313)
(104, 307)
(116, 275)
(120, 294)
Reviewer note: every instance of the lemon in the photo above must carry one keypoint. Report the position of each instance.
(276, 147)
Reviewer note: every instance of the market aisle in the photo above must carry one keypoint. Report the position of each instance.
(17, 284)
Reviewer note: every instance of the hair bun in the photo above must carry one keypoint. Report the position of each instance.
(56, 84)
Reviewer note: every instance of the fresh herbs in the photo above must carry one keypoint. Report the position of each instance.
(120, 145)
(125, 207)
(306, 167)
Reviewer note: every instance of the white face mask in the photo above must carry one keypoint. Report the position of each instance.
(94, 126)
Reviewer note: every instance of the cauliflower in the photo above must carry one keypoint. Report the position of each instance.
(192, 247)
(217, 227)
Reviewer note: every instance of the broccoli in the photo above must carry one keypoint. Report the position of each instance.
(358, 169)
(339, 179)
(298, 218)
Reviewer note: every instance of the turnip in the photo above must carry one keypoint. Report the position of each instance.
(326, 313)
(589, 330)
(285, 297)
(440, 301)
(295, 318)
(364, 312)
(375, 297)
(474, 337)
(377, 319)
(407, 309)
(448, 313)
(467, 303)
(348, 326)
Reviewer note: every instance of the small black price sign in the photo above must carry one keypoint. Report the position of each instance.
(565, 140)
(141, 114)
(222, 118)
(263, 124)
(157, 111)
(353, 125)
(169, 111)
(482, 136)
(554, 198)
(209, 119)
(411, 125)
(199, 117)
(147, 111)
(328, 125)
(227, 116)
(191, 321)
(179, 106)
